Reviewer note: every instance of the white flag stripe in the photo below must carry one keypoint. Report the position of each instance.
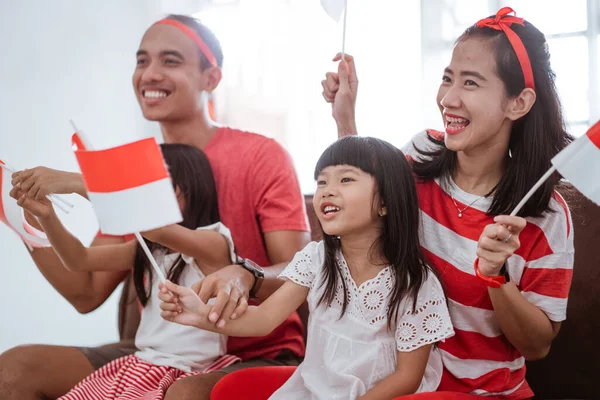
(580, 163)
(14, 213)
(138, 209)
(334, 8)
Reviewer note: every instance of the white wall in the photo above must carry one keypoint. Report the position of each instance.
(62, 59)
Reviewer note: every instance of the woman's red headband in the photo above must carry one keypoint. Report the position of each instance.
(502, 21)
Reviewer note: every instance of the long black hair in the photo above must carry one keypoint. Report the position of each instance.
(192, 175)
(535, 138)
(399, 240)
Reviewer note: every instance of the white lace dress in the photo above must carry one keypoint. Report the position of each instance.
(346, 357)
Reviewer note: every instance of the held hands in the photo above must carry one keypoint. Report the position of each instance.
(41, 181)
(498, 242)
(183, 306)
(341, 89)
(231, 287)
(38, 208)
(189, 306)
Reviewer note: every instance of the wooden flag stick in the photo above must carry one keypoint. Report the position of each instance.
(532, 191)
(344, 29)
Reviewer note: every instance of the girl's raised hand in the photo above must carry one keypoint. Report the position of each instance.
(41, 181)
(498, 243)
(182, 305)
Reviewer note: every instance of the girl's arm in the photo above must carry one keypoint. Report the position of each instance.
(206, 246)
(74, 256)
(185, 307)
(410, 369)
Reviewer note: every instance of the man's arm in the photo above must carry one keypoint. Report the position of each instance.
(233, 283)
(86, 291)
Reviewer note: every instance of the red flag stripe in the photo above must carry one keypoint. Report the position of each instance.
(594, 134)
(443, 211)
(123, 167)
(2, 214)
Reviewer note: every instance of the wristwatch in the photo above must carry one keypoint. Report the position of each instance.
(255, 270)
(493, 281)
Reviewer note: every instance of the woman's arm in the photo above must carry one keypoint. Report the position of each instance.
(186, 308)
(340, 89)
(206, 246)
(410, 368)
(525, 326)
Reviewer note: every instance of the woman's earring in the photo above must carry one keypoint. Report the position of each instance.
(382, 212)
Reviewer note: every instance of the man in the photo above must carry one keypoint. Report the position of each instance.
(259, 200)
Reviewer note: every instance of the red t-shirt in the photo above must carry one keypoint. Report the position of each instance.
(258, 192)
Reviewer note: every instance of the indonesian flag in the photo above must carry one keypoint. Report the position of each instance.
(580, 162)
(129, 186)
(334, 8)
(12, 215)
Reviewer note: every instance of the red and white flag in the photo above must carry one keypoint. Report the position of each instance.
(129, 186)
(580, 163)
(12, 215)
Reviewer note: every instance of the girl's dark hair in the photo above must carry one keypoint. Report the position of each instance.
(535, 138)
(206, 34)
(396, 190)
(192, 175)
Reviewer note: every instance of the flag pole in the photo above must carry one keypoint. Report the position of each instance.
(150, 257)
(533, 190)
(344, 29)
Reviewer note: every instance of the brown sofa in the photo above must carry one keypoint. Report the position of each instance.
(570, 370)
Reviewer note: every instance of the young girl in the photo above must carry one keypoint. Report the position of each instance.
(376, 308)
(186, 253)
(507, 278)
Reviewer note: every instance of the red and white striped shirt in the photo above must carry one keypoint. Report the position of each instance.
(479, 359)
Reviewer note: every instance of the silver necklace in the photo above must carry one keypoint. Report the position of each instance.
(460, 212)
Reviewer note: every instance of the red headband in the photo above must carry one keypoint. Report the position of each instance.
(189, 32)
(502, 22)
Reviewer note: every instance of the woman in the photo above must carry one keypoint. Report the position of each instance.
(507, 278)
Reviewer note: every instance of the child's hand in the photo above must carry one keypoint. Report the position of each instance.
(498, 243)
(183, 306)
(38, 208)
(40, 181)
